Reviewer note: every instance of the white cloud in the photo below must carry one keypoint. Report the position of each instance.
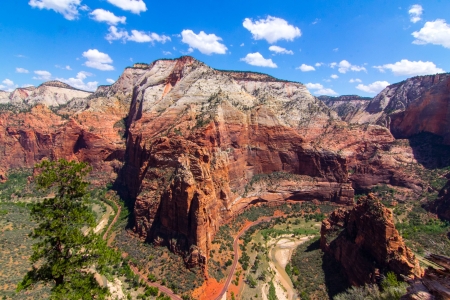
(242, 45)
(334, 76)
(436, 33)
(344, 66)
(272, 29)
(205, 43)
(280, 50)
(78, 82)
(135, 6)
(98, 60)
(8, 85)
(415, 13)
(68, 8)
(373, 88)
(64, 67)
(21, 70)
(42, 75)
(101, 15)
(306, 68)
(317, 20)
(135, 36)
(319, 64)
(110, 81)
(355, 80)
(336, 49)
(256, 59)
(167, 53)
(411, 68)
(320, 90)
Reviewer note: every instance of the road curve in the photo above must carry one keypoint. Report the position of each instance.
(236, 253)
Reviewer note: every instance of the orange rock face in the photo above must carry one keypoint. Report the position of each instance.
(192, 146)
(364, 240)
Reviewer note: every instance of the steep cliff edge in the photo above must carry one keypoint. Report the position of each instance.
(364, 240)
(416, 105)
(346, 106)
(192, 146)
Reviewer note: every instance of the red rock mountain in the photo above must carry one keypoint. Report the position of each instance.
(192, 146)
(365, 242)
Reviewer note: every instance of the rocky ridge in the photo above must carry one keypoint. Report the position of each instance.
(192, 146)
(401, 107)
(366, 244)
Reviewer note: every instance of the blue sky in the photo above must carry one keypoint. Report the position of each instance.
(334, 47)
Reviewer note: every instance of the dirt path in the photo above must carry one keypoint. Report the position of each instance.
(236, 253)
(104, 220)
(135, 270)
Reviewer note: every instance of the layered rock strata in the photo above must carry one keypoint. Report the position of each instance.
(365, 242)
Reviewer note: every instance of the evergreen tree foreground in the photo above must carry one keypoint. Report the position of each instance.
(67, 253)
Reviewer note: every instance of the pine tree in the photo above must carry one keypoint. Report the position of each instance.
(67, 253)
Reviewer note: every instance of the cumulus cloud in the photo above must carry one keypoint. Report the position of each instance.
(280, 50)
(101, 15)
(355, 80)
(334, 76)
(306, 68)
(271, 29)
(256, 59)
(8, 85)
(167, 53)
(135, 36)
(78, 82)
(319, 64)
(68, 8)
(344, 66)
(110, 81)
(436, 33)
(134, 6)
(98, 60)
(21, 70)
(42, 75)
(415, 13)
(411, 68)
(373, 88)
(205, 43)
(320, 89)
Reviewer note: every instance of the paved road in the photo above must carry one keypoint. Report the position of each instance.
(236, 253)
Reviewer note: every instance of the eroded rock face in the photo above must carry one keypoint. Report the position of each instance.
(193, 145)
(364, 240)
(418, 104)
(346, 106)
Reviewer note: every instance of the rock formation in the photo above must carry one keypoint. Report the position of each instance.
(410, 107)
(346, 106)
(192, 145)
(365, 242)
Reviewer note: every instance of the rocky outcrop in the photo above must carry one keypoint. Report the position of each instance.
(435, 284)
(441, 206)
(193, 145)
(365, 242)
(346, 106)
(416, 105)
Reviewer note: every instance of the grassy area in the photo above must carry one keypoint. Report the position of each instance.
(166, 267)
(17, 187)
(315, 275)
(15, 250)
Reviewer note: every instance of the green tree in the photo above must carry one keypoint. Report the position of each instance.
(67, 253)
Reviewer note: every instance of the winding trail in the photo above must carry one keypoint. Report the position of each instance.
(133, 268)
(236, 253)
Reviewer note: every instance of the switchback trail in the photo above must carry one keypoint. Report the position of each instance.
(133, 268)
(236, 253)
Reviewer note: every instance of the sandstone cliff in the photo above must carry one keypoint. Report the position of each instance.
(364, 240)
(418, 104)
(346, 106)
(192, 145)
